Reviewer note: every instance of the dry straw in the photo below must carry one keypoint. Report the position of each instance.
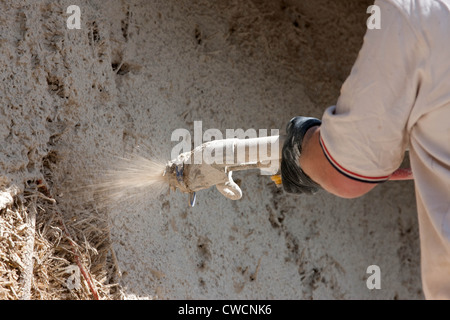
(44, 254)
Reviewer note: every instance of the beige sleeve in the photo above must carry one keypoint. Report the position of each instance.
(364, 136)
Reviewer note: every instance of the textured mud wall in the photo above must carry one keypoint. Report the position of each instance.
(70, 100)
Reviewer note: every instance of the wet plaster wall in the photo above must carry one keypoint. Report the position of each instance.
(71, 100)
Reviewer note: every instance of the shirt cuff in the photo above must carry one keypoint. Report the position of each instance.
(348, 173)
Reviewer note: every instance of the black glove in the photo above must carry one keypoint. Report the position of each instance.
(293, 178)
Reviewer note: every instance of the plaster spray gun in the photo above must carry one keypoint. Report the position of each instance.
(212, 164)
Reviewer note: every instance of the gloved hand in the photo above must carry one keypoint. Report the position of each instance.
(293, 178)
(190, 177)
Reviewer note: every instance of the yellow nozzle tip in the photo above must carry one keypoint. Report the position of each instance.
(276, 179)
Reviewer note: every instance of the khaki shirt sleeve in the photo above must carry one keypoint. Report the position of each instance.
(364, 136)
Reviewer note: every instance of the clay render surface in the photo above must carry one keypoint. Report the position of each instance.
(73, 100)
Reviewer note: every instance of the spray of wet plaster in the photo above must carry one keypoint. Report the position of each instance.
(74, 100)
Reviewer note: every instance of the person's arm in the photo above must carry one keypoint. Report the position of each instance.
(315, 164)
